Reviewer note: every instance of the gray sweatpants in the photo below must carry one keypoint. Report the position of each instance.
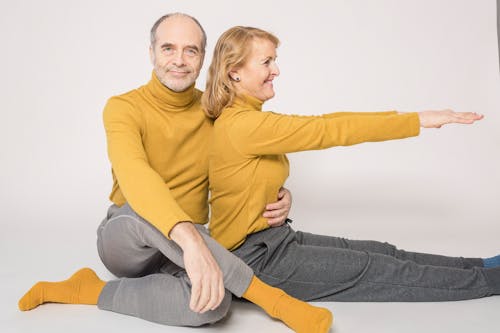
(152, 283)
(322, 268)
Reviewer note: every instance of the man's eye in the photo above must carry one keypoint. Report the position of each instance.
(191, 52)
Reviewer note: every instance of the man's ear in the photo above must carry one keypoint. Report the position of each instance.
(151, 55)
(202, 59)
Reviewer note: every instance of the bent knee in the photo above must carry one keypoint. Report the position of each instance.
(211, 316)
(224, 306)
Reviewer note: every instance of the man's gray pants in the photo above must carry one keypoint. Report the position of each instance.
(322, 268)
(152, 283)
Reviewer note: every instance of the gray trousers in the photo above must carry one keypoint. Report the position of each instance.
(322, 268)
(152, 283)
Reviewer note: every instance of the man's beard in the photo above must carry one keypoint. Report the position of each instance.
(176, 84)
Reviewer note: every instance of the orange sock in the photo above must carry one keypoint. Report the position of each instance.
(296, 314)
(83, 287)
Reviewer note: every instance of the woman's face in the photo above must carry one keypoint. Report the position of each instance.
(257, 75)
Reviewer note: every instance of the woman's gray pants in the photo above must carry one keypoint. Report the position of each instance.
(152, 283)
(322, 268)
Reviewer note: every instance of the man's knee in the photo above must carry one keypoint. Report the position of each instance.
(212, 316)
(221, 311)
(122, 248)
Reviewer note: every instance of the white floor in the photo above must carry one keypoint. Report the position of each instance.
(458, 317)
(54, 253)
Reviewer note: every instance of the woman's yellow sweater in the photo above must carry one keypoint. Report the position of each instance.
(248, 165)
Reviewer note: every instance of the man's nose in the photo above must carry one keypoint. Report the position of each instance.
(178, 58)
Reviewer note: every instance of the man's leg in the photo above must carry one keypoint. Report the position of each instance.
(129, 246)
(161, 298)
(151, 285)
(306, 238)
(319, 273)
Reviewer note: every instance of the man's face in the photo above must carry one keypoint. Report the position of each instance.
(177, 55)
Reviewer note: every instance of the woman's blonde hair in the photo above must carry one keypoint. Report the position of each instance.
(231, 52)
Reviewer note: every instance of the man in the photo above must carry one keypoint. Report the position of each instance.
(160, 168)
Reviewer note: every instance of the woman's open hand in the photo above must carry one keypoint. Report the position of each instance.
(436, 119)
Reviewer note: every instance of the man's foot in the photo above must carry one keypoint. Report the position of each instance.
(83, 287)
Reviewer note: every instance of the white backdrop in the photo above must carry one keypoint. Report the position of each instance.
(439, 192)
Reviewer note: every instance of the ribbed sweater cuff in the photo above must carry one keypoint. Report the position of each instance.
(415, 123)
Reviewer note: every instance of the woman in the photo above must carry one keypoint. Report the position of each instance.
(248, 166)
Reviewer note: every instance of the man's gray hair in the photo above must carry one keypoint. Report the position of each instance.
(164, 17)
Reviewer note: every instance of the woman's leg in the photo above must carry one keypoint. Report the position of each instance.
(312, 272)
(306, 238)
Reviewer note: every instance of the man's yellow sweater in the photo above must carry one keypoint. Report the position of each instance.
(158, 145)
(247, 162)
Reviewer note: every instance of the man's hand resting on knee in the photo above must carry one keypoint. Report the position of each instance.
(207, 286)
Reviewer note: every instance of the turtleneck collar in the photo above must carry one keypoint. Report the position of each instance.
(247, 101)
(167, 98)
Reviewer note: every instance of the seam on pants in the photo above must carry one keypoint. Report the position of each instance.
(129, 216)
(100, 243)
(298, 281)
(135, 219)
(421, 287)
(479, 271)
(424, 287)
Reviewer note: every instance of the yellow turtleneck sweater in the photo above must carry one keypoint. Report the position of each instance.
(158, 145)
(247, 162)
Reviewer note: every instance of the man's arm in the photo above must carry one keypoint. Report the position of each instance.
(207, 287)
(142, 187)
(146, 192)
(277, 212)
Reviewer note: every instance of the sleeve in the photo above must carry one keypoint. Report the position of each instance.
(261, 133)
(343, 114)
(143, 188)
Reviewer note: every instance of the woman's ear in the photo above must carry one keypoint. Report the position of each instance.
(234, 76)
